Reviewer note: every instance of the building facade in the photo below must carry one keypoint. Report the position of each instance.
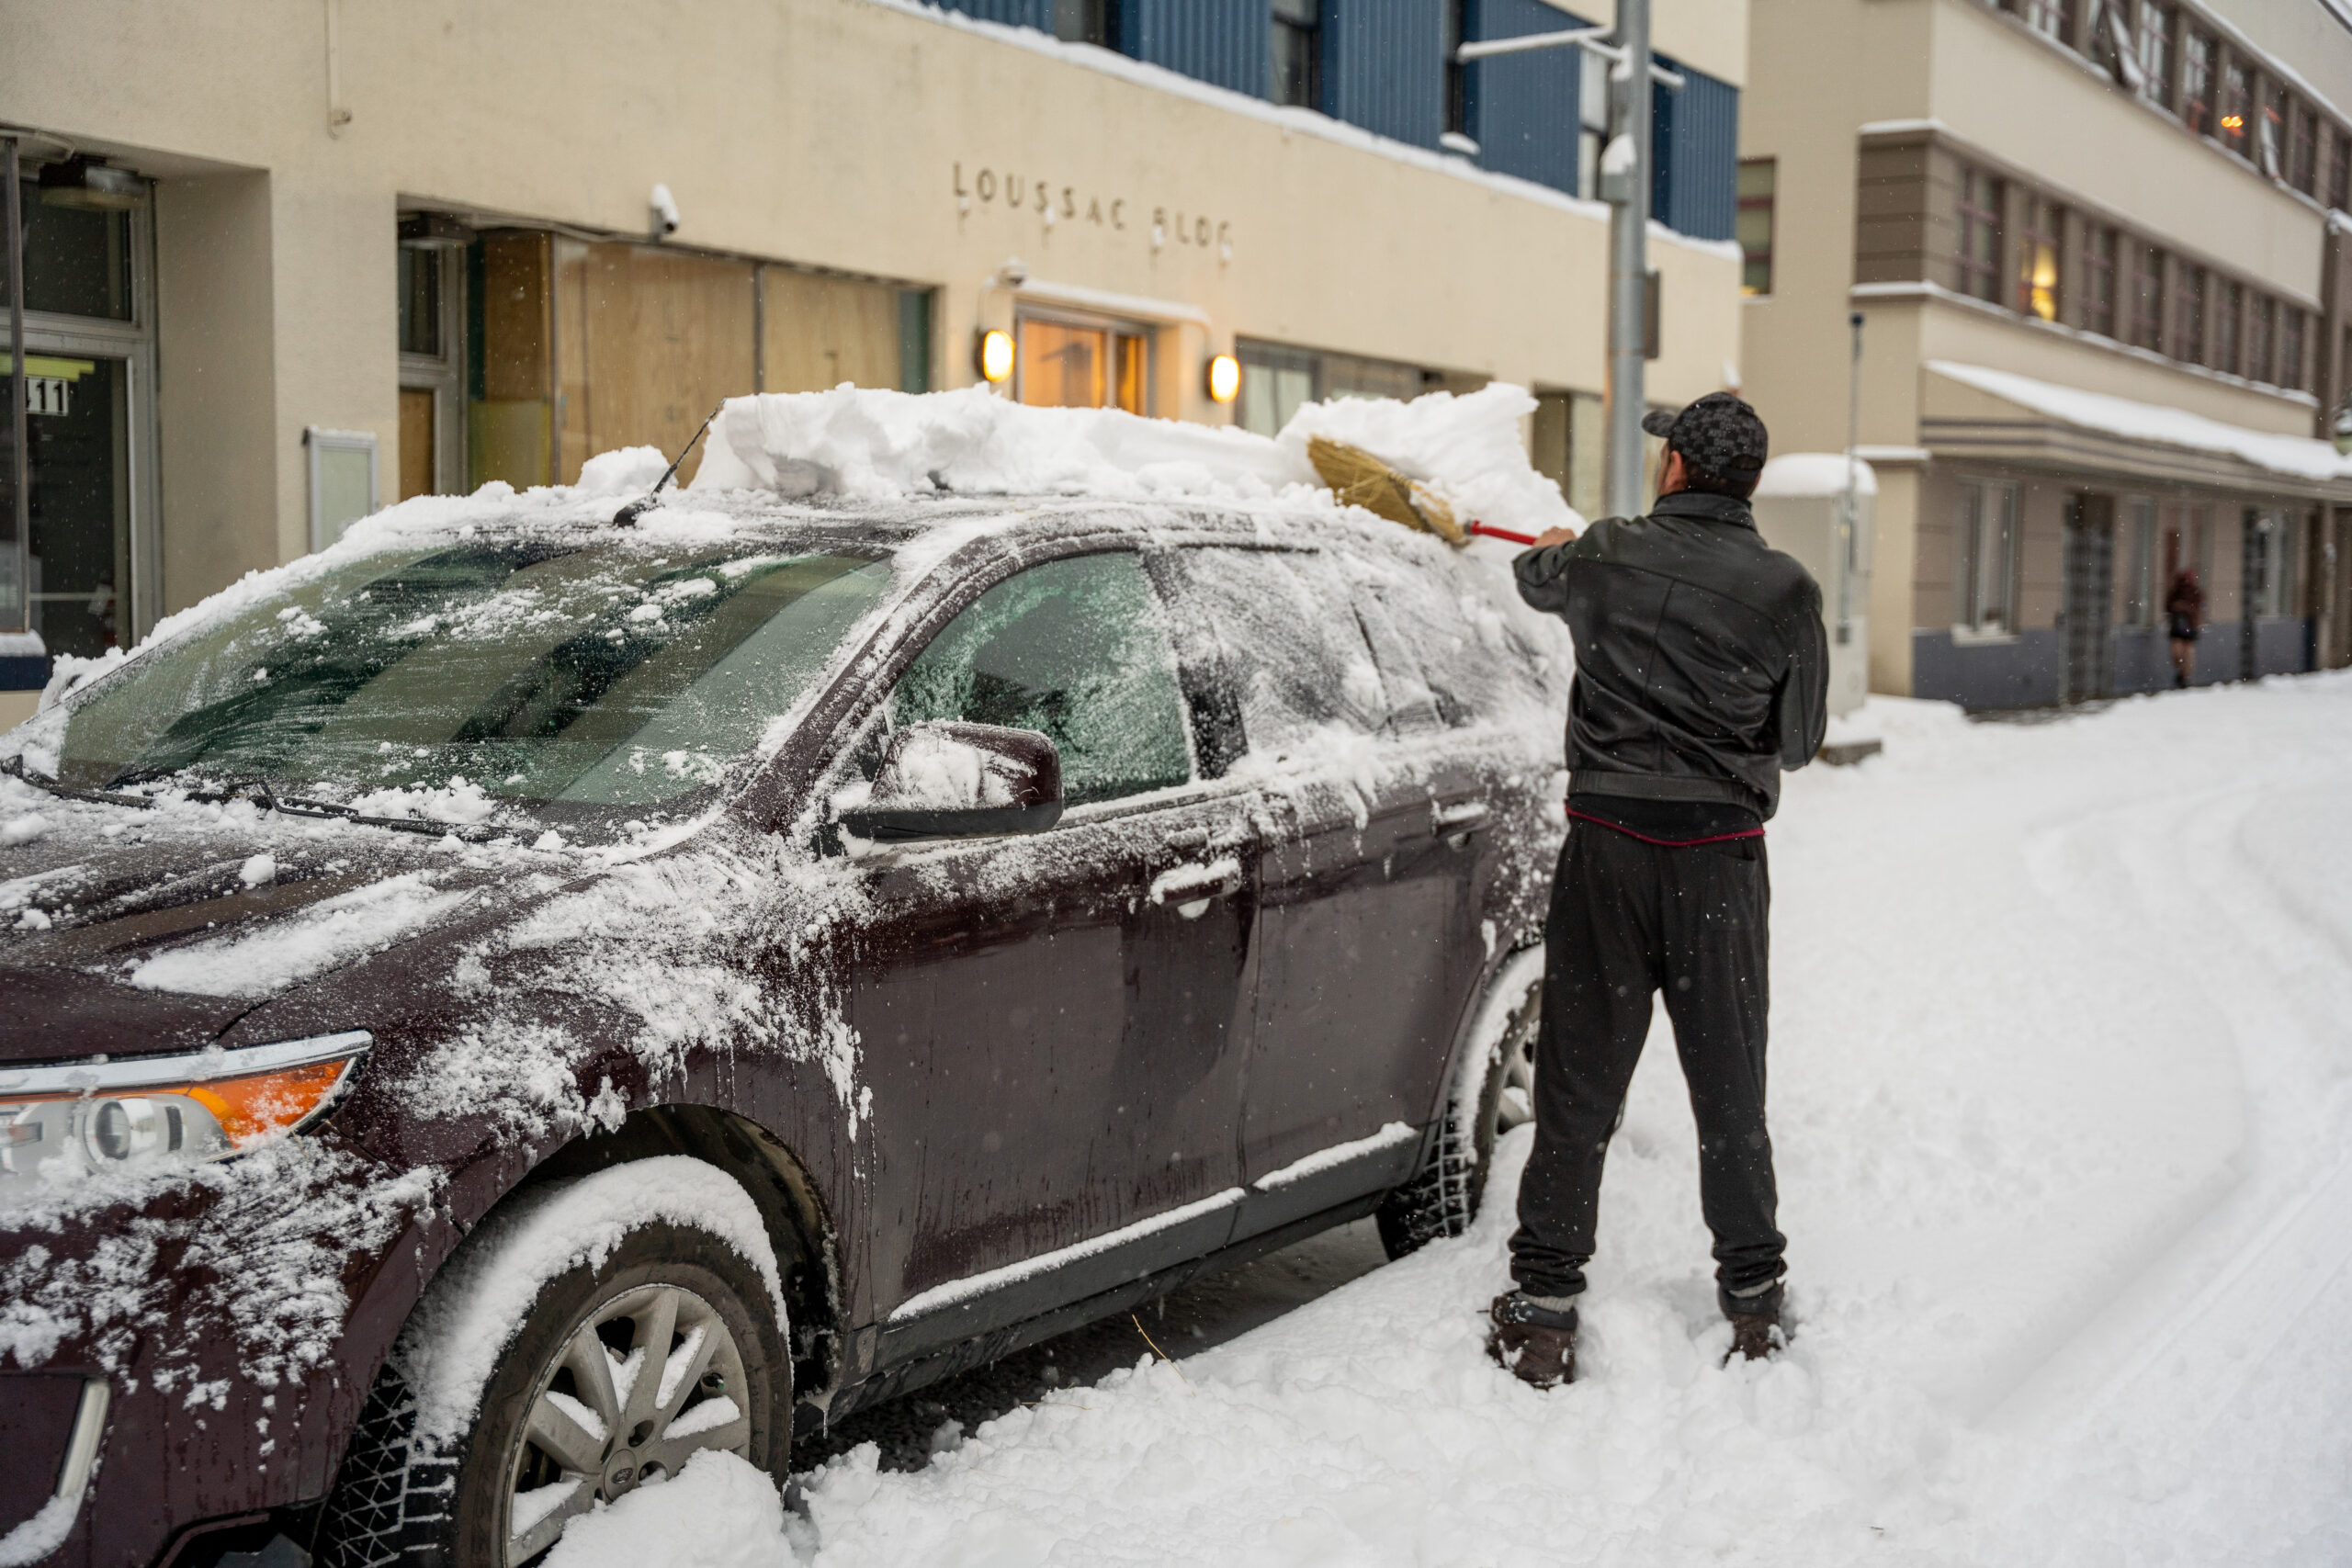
(288, 259)
(2097, 251)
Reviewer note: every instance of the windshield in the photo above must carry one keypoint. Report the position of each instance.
(540, 671)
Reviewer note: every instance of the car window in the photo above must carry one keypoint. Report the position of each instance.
(1290, 648)
(1439, 659)
(1077, 649)
(624, 674)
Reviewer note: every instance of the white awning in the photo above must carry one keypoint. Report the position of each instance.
(2068, 426)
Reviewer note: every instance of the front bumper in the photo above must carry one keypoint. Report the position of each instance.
(230, 1325)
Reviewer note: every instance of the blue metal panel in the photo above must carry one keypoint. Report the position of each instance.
(1695, 187)
(1222, 41)
(1523, 112)
(1383, 67)
(1038, 13)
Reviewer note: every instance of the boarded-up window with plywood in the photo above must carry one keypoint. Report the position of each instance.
(508, 382)
(819, 331)
(649, 342)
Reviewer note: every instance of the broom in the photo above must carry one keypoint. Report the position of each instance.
(1359, 479)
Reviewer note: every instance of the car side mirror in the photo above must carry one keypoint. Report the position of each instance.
(942, 780)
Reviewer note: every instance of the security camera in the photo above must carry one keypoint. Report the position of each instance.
(665, 212)
(1013, 273)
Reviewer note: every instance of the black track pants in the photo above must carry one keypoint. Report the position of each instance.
(1629, 918)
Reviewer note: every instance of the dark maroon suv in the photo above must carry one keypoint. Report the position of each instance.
(500, 1005)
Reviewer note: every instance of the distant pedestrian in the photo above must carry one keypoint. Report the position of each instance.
(1702, 671)
(2184, 618)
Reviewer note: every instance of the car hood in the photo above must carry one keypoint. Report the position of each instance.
(130, 931)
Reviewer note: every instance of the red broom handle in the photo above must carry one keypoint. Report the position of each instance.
(1492, 532)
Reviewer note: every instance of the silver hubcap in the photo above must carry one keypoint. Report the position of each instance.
(648, 1379)
(1517, 1102)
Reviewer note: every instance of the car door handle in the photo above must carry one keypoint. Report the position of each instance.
(1190, 886)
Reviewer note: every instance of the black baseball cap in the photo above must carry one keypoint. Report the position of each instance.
(1719, 436)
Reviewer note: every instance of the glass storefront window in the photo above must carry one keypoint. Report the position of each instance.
(77, 262)
(1065, 365)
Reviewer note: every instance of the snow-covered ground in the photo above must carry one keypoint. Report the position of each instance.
(2061, 1094)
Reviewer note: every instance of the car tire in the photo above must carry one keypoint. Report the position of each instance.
(455, 1502)
(1443, 1197)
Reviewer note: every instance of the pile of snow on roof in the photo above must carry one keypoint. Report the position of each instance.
(868, 444)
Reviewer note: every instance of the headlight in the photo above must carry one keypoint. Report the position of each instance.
(164, 1111)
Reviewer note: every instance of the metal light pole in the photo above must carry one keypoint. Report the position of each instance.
(1625, 184)
(1853, 478)
(15, 605)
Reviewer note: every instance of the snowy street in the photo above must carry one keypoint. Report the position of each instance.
(2061, 1085)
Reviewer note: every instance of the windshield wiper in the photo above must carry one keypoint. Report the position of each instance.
(15, 768)
(206, 792)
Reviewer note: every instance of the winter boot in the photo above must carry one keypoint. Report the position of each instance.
(1754, 1335)
(1754, 1312)
(1534, 1337)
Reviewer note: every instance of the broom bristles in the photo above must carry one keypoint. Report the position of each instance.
(1359, 479)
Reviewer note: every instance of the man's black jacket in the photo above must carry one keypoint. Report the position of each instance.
(1702, 669)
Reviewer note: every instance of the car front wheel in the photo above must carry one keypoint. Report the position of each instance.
(621, 1372)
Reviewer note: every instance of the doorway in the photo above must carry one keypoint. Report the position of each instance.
(2091, 599)
(90, 581)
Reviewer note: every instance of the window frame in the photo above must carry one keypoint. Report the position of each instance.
(2292, 354)
(2189, 293)
(2234, 104)
(1118, 333)
(2302, 148)
(2225, 328)
(1746, 201)
(2151, 299)
(1299, 25)
(1981, 559)
(2041, 240)
(2199, 51)
(2102, 248)
(1979, 199)
(2138, 555)
(2153, 48)
(2259, 340)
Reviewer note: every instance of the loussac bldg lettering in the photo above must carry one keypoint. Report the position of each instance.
(285, 264)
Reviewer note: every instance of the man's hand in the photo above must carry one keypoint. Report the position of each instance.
(1551, 537)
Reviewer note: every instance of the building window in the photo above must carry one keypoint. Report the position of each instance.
(1569, 446)
(2151, 42)
(1592, 121)
(1081, 365)
(2270, 140)
(2290, 349)
(1298, 53)
(2197, 81)
(2303, 151)
(2188, 313)
(1754, 224)
(1987, 575)
(2140, 585)
(2038, 256)
(2047, 18)
(431, 373)
(2269, 564)
(2237, 104)
(1087, 21)
(2148, 299)
(1457, 74)
(2099, 247)
(2229, 310)
(1980, 235)
(2261, 336)
(2339, 171)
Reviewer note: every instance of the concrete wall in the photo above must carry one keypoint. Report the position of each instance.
(838, 133)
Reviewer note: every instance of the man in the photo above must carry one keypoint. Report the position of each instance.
(1701, 671)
